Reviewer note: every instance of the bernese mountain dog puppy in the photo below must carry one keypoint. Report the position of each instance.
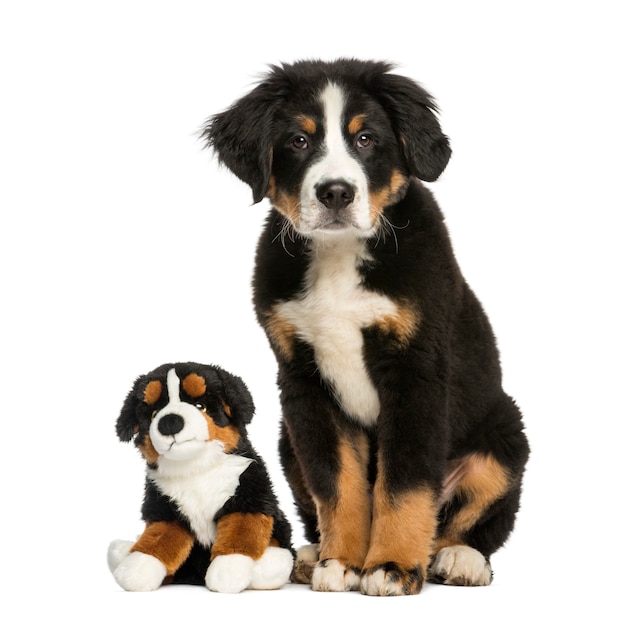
(404, 454)
(210, 511)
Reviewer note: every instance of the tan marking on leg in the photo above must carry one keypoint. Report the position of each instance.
(152, 392)
(244, 534)
(281, 332)
(403, 527)
(345, 523)
(479, 481)
(356, 124)
(168, 541)
(194, 385)
(402, 325)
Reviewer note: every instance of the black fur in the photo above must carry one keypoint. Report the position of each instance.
(441, 397)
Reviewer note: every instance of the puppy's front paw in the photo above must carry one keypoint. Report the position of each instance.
(390, 579)
(140, 572)
(332, 575)
(230, 573)
(460, 565)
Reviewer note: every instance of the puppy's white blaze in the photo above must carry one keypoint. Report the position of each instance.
(336, 164)
(330, 315)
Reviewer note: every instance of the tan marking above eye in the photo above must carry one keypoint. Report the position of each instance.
(307, 124)
(194, 385)
(152, 392)
(356, 124)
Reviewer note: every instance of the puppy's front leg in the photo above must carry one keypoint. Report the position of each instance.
(344, 522)
(403, 529)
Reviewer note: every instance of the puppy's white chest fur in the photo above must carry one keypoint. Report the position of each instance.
(330, 315)
(200, 487)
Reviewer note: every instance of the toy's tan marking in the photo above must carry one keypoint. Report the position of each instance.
(478, 481)
(228, 435)
(403, 527)
(344, 523)
(244, 534)
(168, 541)
(194, 385)
(152, 392)
(147, 450)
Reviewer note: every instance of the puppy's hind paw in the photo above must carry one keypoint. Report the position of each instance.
(460, 565)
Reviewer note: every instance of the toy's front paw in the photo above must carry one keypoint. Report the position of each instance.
(230, 573)
(118, 551)
(140, 572)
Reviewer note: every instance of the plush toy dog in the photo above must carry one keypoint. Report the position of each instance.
(210, 511)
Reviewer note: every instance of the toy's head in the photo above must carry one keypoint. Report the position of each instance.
(179, 410)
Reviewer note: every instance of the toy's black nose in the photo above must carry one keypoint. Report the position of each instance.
(335, 194)
(171, 424)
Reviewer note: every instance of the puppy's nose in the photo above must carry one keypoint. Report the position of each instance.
(335, 194)
(171, 424)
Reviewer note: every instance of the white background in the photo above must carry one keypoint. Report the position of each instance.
(123, 245)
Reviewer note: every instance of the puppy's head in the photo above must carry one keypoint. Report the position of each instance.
(331, 144)
(176, 410)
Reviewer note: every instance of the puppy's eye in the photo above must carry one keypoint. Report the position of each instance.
(200, 407)
(364, 140)
(299, 142)
(154, 413)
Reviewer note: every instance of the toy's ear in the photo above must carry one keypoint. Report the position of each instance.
(241, 136)
(128, 423)
(412, 113)
(237, 397)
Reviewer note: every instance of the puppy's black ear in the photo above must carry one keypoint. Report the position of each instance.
(237, 397)
(128, 423)
(412, 112)
(242, 137)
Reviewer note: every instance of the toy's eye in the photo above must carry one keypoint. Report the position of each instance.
(364, 140)
(299, 142)
(201, 407)
(154, 413)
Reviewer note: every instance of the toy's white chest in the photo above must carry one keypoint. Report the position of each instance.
(330, 316)
(201, 488)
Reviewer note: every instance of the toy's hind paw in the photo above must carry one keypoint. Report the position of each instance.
(140, 572)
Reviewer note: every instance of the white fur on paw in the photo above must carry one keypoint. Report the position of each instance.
(230, 573)
(140, 572)
(377, 583)
(118, 550)
(332, 575)
(461, 565)
(273, 569)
